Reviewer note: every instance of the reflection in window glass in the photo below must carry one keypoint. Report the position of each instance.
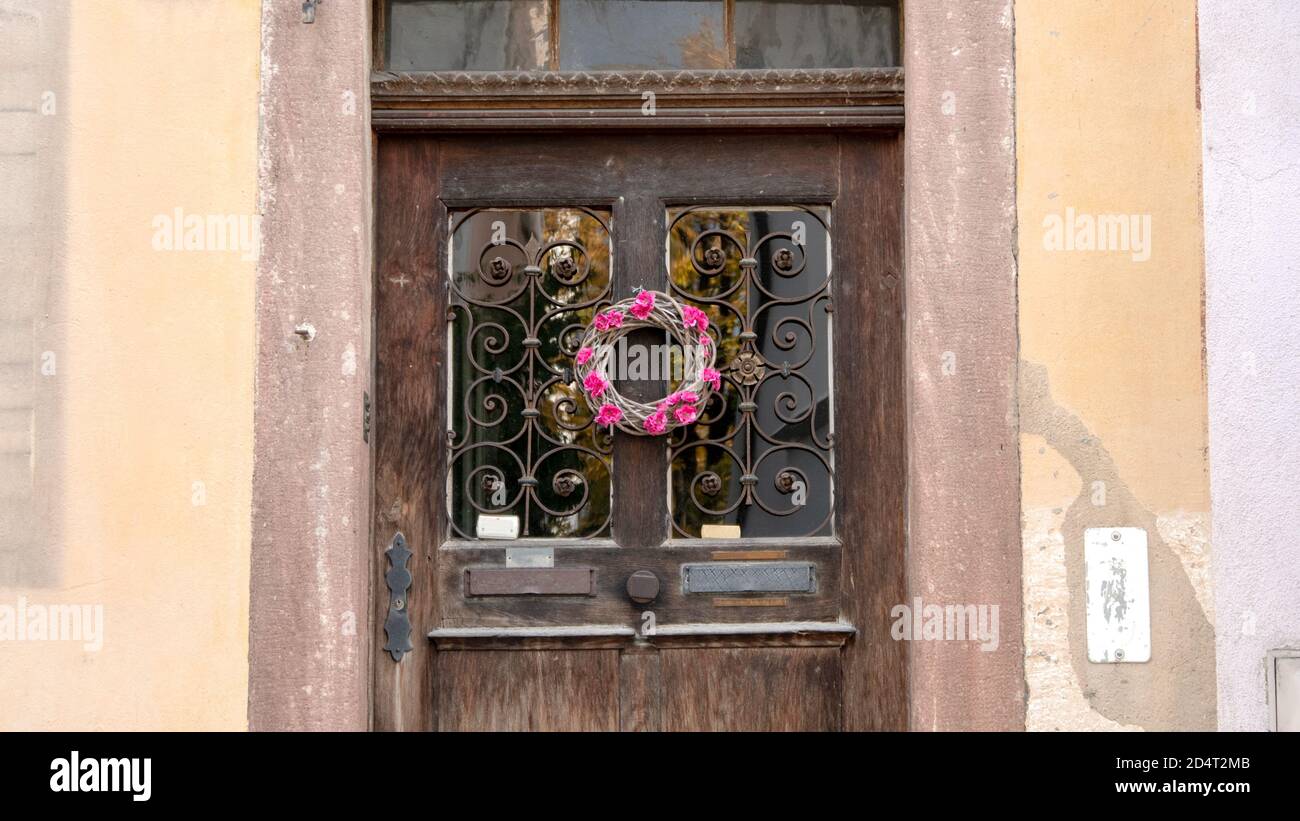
(816, 33)
(524, 285)
(630, 34)
(760, 456)
(469, 35)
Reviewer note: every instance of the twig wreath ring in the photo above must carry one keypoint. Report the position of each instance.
(688, 327)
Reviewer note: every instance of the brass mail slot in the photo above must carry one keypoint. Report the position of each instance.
(530, 581)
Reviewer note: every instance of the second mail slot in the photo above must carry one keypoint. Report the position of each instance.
(748, 577)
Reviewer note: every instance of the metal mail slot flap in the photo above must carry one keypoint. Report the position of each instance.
(748, 577)
(531, 581)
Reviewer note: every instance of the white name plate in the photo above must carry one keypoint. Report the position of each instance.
(1119, 594)
(497, 527)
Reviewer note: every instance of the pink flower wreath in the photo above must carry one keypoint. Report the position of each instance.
(648, 309)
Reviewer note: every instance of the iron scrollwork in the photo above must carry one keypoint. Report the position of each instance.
(524, 283)
(761, 455)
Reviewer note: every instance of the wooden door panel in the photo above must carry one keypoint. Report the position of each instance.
(871, 505)
(410, 417)
(755, 689)
(640, 691)
(641, 509)
(528, 690)
(699, 672)
(592, 169)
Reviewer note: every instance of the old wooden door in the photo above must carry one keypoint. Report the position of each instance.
(766, 539)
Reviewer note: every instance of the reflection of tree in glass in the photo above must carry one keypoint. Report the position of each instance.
(765, 439)
(562, 405)
(726, 305)
(551, 449)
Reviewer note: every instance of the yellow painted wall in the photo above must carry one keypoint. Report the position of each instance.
(154, 388)
(1112, 376)
(155, 375)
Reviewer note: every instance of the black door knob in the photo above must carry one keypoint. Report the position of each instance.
(643, 587)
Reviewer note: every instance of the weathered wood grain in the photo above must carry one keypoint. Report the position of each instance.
(640, 687)
(751, 689)
(870, 449)
(536, 690)
(409, 414)
(640, 462)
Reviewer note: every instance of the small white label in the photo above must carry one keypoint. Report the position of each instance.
(498, 527)
(719, 531)
(1119, 594)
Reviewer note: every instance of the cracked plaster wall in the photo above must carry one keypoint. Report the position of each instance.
(1112, 389)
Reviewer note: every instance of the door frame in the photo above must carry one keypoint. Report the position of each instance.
(312, 642)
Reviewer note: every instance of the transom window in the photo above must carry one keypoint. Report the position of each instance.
(615, 35)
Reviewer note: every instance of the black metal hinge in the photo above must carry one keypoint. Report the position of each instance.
(365, 416)
(398, 623)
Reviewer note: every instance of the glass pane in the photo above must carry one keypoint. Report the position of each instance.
(816, 33)
(623, 34)
(524, 285)
(760, 456)
(469, 35)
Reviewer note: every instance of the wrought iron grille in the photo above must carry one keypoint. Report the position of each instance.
(761, 455)
(523, 284)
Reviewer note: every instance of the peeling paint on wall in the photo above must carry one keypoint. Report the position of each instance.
(1056, 698)
(1112, 384)
(1175, 690)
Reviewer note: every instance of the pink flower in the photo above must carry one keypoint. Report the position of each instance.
(695, 318)
(608, 414)
(644, 304)
(656, 423)
(594, 384)
(670, 400)
(685, 414)
(583, 356)
(609, 319)
(712, 377)
(705, 339)
(687, 397)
